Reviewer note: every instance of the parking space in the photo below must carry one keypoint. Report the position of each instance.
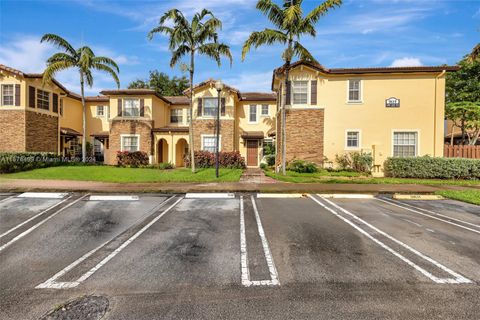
(134, 245)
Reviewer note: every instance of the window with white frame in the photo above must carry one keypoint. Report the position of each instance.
(405, 144)
(176, 115)
(264, 110)
(130, 143)
(252, 113)
(61, 107)
(43, 99)
(209, 143)
(210, 107)
(8, 95)
(131, 108)
(188, 115)
(354, 90)
(97, 147)
(352, 139)
(300, 92)
(100, 111)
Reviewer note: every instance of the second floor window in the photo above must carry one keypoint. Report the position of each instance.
(100, 111)
(354, 91)
(252, 115)
(131, 108)
(300, 92)
(265, 110)
(7, 95)
(210, 107)
(176, 115)
(43, 99)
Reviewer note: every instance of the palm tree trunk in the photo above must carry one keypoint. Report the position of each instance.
(452, 134)
(284, 121)
(84, 122)
(190, 130)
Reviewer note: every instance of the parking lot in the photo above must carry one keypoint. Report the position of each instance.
(257, 256)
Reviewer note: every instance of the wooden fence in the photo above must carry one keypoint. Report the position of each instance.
(471, 152)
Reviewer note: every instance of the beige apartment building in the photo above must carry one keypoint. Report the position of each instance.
(385, 111)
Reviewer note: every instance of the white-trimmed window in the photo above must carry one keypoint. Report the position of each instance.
(252, 113)
(100, 111)
(352, 139)
(131, 108)
(8, 95)
(130, 143)
(188, 115)
(210, 107)
(61, 107)
(209, 143)
(43, 99)
(176, 115)
(405, 144)
(300, 92)
(264, 110)
(354, 90)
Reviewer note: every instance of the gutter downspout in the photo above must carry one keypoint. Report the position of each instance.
(435, 114)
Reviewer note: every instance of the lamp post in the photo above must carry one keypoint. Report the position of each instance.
(219, 87)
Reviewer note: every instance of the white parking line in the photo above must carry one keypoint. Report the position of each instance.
(266, 250)
(209, 196)
(24, 233)
(34, 217)
(457, 277)
(347, 196)
(279, 195)
(113, 198)
(406, 207)
(52, 284)
(43, 195)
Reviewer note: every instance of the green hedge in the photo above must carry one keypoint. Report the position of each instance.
(432, 168)
(23, 161)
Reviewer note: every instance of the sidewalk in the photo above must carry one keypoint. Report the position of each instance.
(21, 185)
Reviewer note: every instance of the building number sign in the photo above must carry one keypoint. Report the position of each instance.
(392, 103)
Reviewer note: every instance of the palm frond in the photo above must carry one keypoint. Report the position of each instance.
(178, 54)
(61, 56)
(301, 52)
(107, 61)
(292, 17)
(272, 11)
(475, 54)
(88, 77)
(159, 29)
(259, 38)
(321, 10)
(107, 69)
(55, 67)
(59, 42)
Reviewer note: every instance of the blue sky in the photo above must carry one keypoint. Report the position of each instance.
(362, 33)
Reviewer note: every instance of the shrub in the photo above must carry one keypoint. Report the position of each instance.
(132, 159)
(205, 159)
(355, 161)
(22, 161)
(162, 166)
(268, 149)
(302, 166)
(432, 168)
(270, 159)
(263, 166)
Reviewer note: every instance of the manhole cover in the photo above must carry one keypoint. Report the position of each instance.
(85, 308)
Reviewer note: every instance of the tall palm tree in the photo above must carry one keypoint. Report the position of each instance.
(290, 25)
(84, 60)
(187, 38)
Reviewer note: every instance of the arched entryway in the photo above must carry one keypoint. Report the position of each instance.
(181, 149)
(162, 151)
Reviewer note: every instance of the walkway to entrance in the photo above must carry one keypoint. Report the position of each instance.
(255, 175)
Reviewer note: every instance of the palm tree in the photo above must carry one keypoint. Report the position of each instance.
(186, 38)
(84, 60)
(475, 54)
(290, 25)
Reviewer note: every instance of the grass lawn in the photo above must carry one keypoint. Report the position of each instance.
(324, 176)
(470, 196)
(124, 175)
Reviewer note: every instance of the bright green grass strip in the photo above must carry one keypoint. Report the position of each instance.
(320, 177)
(470, 196)
(125, 175)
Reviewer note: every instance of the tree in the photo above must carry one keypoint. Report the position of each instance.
(186, 39)
(162, 84)
(291, 25)
(463, 100)
(475, 54)
(84, 60)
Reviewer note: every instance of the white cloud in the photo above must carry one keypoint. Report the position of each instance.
(406, 62)
(249, 81)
